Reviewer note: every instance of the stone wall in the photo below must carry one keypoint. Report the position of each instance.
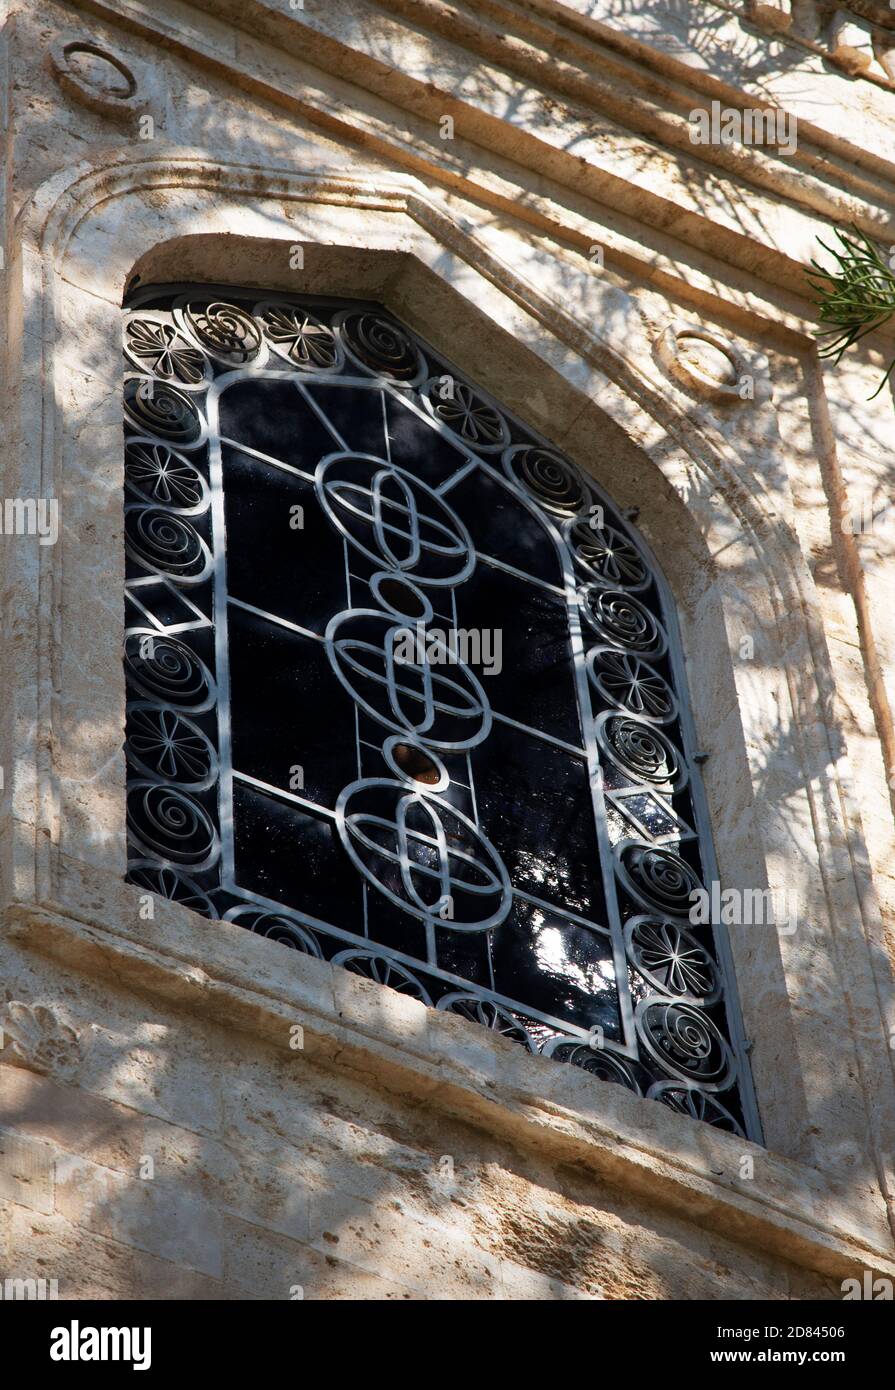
(161, 1134)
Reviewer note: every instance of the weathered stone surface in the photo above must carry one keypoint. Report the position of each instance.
(159, 1137)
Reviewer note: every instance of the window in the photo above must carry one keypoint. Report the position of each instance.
(405, 692)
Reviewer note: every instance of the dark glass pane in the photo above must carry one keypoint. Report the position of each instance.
(294, 858)
(535, 682)
(532, 803)
(558, 967)
(308, 719)
(274, 418)
(503, 526)
(293, 571)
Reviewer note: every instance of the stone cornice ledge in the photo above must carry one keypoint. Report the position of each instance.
(831, 178)
(396, 1044)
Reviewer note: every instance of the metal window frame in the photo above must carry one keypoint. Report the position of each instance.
(209, 396)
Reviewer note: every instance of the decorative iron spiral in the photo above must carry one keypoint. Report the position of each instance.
(684, 1042)
(158, 475)
(164, 744)
(384, 972)
(162, 410)
(162, 668)
(660, 877)
(165, 543)
(641, 750)
(276, 927)
(621, 618)
(381, 345)
(306, 341)
(489, 1015)
(608, 555)
(689, 1100)
(600, 1063)
(225, 329)
(476, 422)
(549, 478)
(168, 883)
(629, 682)
(159, 349)
(171, 824)
(672, 960)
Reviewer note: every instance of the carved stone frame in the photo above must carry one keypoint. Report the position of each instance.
(776, 782)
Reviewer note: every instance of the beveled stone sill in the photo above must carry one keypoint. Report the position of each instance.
(394, 1043)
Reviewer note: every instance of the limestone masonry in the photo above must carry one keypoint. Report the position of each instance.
(604, 210)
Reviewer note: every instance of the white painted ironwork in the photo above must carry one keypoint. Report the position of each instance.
(412, 849)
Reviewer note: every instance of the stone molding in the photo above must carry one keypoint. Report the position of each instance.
(557, 1113)
(119, 106)
(853, 35)
(694, 377)
(601, 71)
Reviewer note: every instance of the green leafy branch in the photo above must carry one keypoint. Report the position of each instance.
(854, 299)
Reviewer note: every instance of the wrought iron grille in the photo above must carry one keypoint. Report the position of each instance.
(405, 692)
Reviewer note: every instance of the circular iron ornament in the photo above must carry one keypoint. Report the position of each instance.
(164, 412)
(489, 1015)
(606, 1066)
(549, 477)
(689, 1100)
(672, 960)
(163, 743)
(607, 556)
(168, 883)
(391, 751)
(432, 697)
(384, 971)
(165, 543)
(619, 617)
(640, 750)
(466, 414)
(300, 338)
(152, 344)
(630, 683)
(276, 926)
(656, 878)
(424, 855)
(162, 478)
(378, 344)
(391, 592)
(167, 822)
(162, 668)
(227, 333)
(684, 1043)
(391, 516)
